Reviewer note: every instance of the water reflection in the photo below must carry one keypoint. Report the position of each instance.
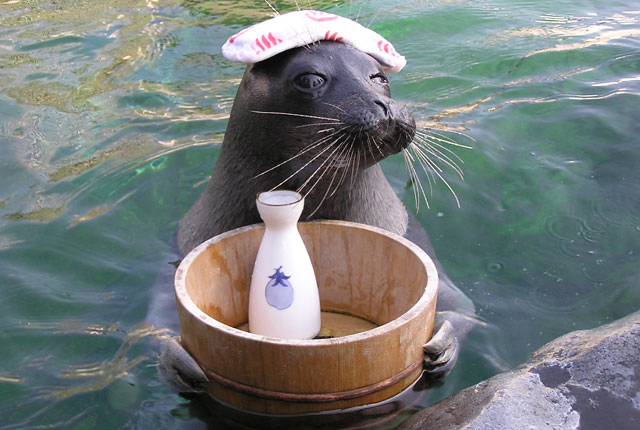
(385, 415)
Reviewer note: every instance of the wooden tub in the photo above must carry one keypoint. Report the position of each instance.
(361, 271)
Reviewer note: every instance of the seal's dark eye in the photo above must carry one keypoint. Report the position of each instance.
(379, 78)
(308, 81)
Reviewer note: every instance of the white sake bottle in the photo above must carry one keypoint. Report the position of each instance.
(283, 300)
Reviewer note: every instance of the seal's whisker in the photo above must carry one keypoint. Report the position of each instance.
(331, 190)
(333, 178)
(447, 139)
(355, 169)
(412, 181)
(370, 144)
(319, 154)
(316, 124)
(434, 150)
(419, 182)
(296, 114)
(437, 144)
(308, 148)
(335, 106)
(273, 8)
(377, 143)
(307, 164)
(344, 162)
(359, 12)
(349, 162)
(428, 164)
(353, 154)
(305, 150)
(426, 149)
(440, 143)
(430, 176)
(354, 166)
(321, 166)
(373, 19)
(370, 151)
(423, 157)
(415, 180)
(439, 136)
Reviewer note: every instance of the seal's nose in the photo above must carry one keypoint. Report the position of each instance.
(384, 106)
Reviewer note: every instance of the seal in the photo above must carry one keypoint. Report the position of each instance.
(318, 119)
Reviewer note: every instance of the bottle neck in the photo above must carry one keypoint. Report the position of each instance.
(280, 217)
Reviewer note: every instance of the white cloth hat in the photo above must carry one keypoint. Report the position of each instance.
(303, 27)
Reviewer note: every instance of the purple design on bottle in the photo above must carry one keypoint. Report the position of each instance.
(279, 291)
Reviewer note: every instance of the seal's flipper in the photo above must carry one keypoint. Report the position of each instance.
(179, 369)
(441, 352)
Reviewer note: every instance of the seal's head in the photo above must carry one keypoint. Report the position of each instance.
(319, 108)
(313, 113)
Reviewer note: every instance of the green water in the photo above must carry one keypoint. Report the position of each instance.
(111, 117)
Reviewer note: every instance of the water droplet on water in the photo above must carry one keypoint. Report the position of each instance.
(563, 227)
(158, 163)
(494, 266)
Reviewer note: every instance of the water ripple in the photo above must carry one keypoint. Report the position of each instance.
(563, 227)
(75, 380)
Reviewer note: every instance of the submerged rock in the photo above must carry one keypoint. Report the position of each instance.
(587, 380)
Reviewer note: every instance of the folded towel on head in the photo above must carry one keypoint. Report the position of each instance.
(303, 27)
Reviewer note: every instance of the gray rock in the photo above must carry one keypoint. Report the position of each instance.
(587, 380)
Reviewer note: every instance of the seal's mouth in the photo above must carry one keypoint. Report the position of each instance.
(378, 140)
(356, 147)
(384, 129)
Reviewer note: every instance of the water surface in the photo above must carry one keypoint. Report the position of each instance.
(111, 117)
